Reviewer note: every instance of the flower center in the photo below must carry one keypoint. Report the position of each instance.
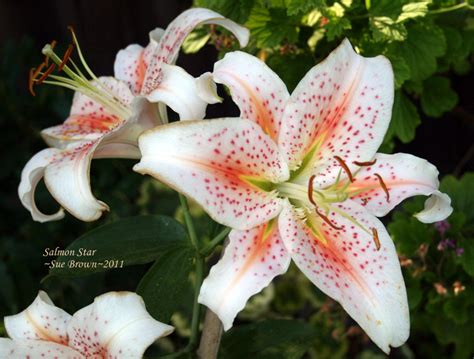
(75, 78)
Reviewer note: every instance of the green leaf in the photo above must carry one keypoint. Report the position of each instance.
(285, 339)
(295, 7)
(409, 233)
(237, 10)
(291, 68)
(461, 192)
(413, 10)
(437, 96)
(271, 26)
(405, 119)
(420, 50)
(337, 23)
(166, 283)
(386, 29)
(400, 69)
(195, 40)
(134, 240)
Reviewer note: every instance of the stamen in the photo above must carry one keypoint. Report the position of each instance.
(375, 236)
(66, 57)
(310, 190)
(45, 74)
(327, 220)
(365, 164)
(364, 201)
(33, 74)
(384, 187)
(344, 167)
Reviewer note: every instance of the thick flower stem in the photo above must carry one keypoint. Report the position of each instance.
(196, 307)
(189, 222)
(208, 248)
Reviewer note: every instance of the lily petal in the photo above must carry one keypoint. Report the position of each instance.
(260, 94)
(67, 179)
(250, 262)
(131, 63)
(176, 32)
(116, 325)
(346, 265)
(437, 208)
(178, 90)
(42, 320)
(88, 119)
(223, 164)
(342, 107)
(32, 173)
(16, 349)
(405, 176)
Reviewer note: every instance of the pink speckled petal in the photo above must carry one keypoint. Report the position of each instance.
(346, 265)
(36, 349)
(88, 119)
(250, 262)
(31, 175)
(217, 163)
(174, 35)
(131, 63)
(67, 179)
(116, 325)
(342, 107)
(260, 94)
(403, 174)
(42, 320)
(177, 89)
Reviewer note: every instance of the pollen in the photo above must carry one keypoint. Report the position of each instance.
(375, 236)
(365, 164)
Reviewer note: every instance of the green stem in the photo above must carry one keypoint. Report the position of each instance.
(208, 248)
(189, 221)
(451, 8)
(193, 339)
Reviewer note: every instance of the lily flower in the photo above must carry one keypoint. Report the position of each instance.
(115, 325)
(108, 114)
(298, 177)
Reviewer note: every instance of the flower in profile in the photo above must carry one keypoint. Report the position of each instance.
(108, 114)
(115, 325)
(298, 178)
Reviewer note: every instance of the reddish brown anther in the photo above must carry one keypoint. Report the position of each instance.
(344, 167)
(46, 74)
(310, 190)
(327, 220)
(32, 77)
(375, 236)
(384, 187)
(66, 57)
(365, 164)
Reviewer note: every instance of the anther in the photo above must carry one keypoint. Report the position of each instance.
(384, 187)
(46, 74)
(310, 190)
(327, 220)
(32, 77)
(66, 57)
(375, 236)
(344, 167)
(365, 164)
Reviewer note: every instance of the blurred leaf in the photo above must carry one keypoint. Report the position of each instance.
(437, 96)
(295, 7)
(337, 23)
(164, 286)
(196, 40)
(134, 240)
(237, 10)
(386, 29)
(271, 26)
(423, 45)
(400, 70)
(405, 119)
(461, 192)
(285, 339)
(291, 68)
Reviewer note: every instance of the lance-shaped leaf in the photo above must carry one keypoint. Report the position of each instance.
(250, 262)
(350, 266)
(260, 94)
(117, 325)
(342, 107)
(404, 176)
(227, 165)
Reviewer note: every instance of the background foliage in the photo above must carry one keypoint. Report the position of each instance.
(430, 45)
